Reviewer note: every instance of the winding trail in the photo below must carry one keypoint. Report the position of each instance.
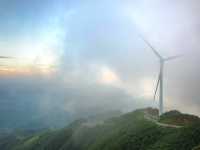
(155, 120)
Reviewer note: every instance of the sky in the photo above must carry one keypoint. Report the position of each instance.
(87, 56)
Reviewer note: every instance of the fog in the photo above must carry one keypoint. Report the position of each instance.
(95, 61)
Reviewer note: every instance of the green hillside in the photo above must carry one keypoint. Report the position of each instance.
(131, 131)
(197, 148)
(177, 118)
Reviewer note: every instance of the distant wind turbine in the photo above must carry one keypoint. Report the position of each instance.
(5, 57)
(160, 77)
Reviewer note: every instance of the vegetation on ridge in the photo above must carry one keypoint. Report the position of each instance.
(130, 131)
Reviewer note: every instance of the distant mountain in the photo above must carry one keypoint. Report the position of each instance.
(138, 130)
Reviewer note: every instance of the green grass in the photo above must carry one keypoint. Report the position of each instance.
(130, 131)
(177, 118)
(196, 148)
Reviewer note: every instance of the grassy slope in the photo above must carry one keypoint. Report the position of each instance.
(128, 132)
(197, 148)
(177, 118)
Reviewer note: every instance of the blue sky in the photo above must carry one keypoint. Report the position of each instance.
(83, 44)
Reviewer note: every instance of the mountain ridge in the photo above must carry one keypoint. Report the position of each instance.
(128, 131)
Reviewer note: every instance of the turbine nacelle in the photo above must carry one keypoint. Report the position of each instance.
(172, 57)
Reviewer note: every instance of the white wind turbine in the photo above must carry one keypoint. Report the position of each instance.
(160, 77)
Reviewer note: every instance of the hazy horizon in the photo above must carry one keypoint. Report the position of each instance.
(79, 57)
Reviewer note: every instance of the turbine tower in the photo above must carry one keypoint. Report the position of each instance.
(160, 76)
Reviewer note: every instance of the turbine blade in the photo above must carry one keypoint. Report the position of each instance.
(152, 48)
(157, 84)
(172, 57)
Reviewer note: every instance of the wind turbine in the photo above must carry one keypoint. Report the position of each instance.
(160, 76)
(5, 57)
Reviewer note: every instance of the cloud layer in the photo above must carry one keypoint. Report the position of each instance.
(99, 61)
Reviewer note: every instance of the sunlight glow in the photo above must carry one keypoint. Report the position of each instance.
(146, 86)
(36, 59)
(44, 63)
(108, 76)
